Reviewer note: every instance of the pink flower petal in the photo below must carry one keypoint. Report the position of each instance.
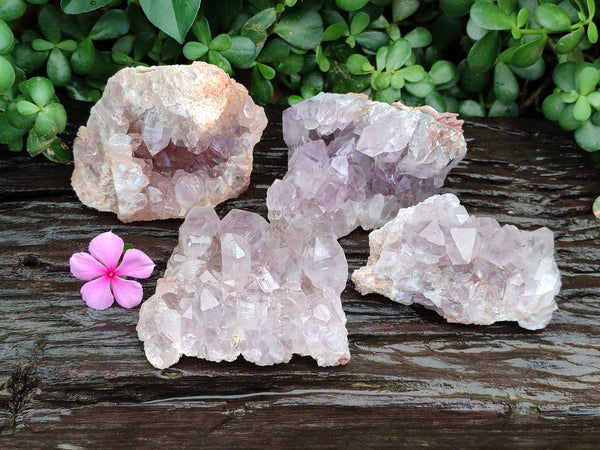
(107, 248)
(135, 264)
(85, 267)
(128, 293)
(96, 293)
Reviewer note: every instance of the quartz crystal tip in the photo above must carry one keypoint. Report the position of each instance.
(469, 269)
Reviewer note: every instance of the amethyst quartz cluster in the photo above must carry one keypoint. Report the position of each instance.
(355, 162)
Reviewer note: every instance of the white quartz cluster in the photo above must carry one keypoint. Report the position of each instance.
(164, 139)
(240, 286)
(468, 269)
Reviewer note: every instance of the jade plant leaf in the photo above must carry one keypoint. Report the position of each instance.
(174, 17)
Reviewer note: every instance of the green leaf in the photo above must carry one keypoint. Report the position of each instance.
(27, 108)
(436, 101)
(256, 27)
(7, 75)
(50, 23)
(566, 119)
(552, 17)
(16, 119)
(302, 29)
(419, 37)
(12, 9)
(267, 72)
(380, 58)
(564, 76)
(533, 72)
(68, 45)
(36, 144)
(355, 64)
(594, 99)
(322, 61)
(261, 90)
(112, 24)
(592, 33)
(508, 6)
(372, 40)
(442, 72)
(219, 60)
(335, 31)
(588, 79)
(483, 54)
(582, 109)
(10, 135)
(414, 74)
(201, 29)
(552, 106)
(194, 50)
(7, 39)
(351, 5)
(422, 88)
(174, 17)
(359, 23)
(397, 54)
(79, 90)
(241, 52)
(83, 58)
(470, 108)
(569, 97)
(588, 136)
(220, 43)
(293, 64)
(397, 81)
(51, 121)
(42, 45)
(82, 6)
(569, 41)
(522, 17)
(506, 86)
(58, 152)
(402, 9)
(528, 53)
(389, 95)
(383, 80)
(39, 89)
(490, 17)
(274, 50)
(58, 68)
(455, 8)
(501, 109)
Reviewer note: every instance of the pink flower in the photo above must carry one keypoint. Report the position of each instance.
(105, 276)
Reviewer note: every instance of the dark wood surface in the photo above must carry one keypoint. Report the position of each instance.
(72, 377)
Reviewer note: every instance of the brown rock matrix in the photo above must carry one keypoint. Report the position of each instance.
(162, 140)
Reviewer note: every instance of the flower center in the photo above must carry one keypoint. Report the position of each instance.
(111, 274)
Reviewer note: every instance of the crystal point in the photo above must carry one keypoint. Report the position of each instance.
(466, 268)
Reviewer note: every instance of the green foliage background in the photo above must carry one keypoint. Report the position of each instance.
(474, 57)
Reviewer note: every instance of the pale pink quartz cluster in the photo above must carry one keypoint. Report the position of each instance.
(468, 269)
(240, 286)
(164, 139)
(355, 162)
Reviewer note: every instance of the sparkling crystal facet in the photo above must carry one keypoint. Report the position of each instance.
(468, 269)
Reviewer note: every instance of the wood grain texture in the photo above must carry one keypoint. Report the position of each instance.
(72, 376)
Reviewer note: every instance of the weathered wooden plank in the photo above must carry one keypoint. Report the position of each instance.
(76, 376)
